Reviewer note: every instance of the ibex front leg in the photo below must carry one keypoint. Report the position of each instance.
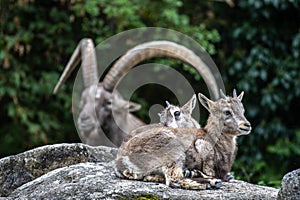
(207, 173)
(200, 177)
(174, 177)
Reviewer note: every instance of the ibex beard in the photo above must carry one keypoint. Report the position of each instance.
(188, 158)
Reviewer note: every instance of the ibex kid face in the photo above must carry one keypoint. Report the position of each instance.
(170, 116)
(232, 116)
(176, 117)
(229, 111)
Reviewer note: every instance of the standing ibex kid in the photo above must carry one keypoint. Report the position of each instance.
(164, 153)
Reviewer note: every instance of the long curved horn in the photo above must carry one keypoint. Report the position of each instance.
(89, 63)
(85, 51)
(160, 49)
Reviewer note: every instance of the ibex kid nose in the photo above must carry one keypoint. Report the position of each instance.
(247, 124)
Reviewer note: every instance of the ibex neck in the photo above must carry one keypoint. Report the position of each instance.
(224, 147)
(215, 134)
(213, 129)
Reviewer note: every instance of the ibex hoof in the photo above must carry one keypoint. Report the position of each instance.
(208, 186)
(187, 173)
(229, 177)
(218, 184)
(214, 184)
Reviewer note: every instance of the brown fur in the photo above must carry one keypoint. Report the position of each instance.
(167, 151)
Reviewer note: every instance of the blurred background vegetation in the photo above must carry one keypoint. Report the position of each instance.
(254, 43)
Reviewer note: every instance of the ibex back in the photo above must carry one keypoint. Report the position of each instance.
(164, 153)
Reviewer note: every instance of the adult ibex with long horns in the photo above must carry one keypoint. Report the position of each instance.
(96, 122)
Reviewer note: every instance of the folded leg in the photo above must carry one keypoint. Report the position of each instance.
(174, 177)
(200, 177)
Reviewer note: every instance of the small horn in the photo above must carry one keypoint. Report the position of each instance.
(234, 93)
(222, 94)
(168, 104)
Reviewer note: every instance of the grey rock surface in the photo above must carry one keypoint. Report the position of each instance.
(290, 186)
(21, 168)
(94, 178)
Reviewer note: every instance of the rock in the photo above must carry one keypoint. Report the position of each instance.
(22, 168)
(290, 186)
(95, 179)
(98, 181)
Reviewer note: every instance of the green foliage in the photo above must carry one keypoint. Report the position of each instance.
(262, 59)
(38, 38)
(31, 56)
(255, 44)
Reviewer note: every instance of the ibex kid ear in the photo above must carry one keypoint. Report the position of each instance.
(190, 105)
(207, 103)
(133, 106)
(240, 97)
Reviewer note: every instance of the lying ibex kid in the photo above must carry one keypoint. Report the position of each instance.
(164, 153)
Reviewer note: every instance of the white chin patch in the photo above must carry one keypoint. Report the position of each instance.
(173, 124)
